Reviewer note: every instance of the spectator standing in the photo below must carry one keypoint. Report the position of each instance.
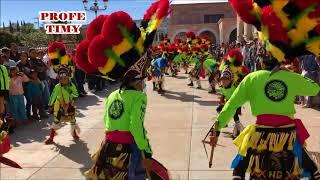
(310, 69)
(34, 93)
(260, 55)
(23, 63)
(252, 54)
(24, 66)
(80, 79)
(246, 55)
(16, 103)
(14, 54)
(41, 68)
(8, 62)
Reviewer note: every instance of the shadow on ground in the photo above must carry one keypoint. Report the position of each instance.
(184, 97)
(77, 152)
(41, 128)
(37, 131)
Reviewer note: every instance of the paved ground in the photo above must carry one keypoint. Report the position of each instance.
(176, 122)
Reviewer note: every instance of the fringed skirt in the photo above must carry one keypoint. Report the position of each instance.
(268, 153)
(114, 161)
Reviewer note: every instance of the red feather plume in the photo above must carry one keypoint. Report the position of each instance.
(306, 3)
(245, 70)
(190, 34)
(236, 55)
(244, 9)
(274, 24)
(195, 49)
(153, 8)
(96, 50)
(163, 9)
(111, 25)
(94, 28)
(81, 57)
(204, 47)
(160, 7)
(56, 46)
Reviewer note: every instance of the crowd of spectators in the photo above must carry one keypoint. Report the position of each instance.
(27, 81)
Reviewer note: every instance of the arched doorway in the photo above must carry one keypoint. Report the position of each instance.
(210, 35)
(180, 35)
(233, 36)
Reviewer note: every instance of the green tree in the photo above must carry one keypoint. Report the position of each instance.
(27, 28)
(3, 26)
(6, 38)
(10, 27)
(34, 39)
(18, 26)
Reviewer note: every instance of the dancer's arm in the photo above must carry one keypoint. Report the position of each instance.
(137, 125)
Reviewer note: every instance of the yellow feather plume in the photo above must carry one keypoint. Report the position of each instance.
(276, 52)
(108, 66)
(314, 47)
(303, 26)
(277, 7)
(65, 60)
(53, 55)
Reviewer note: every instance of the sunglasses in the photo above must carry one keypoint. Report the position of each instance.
(63, 75)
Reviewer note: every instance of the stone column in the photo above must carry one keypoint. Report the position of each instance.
(221, 33)
(248, 31)
(239, 29)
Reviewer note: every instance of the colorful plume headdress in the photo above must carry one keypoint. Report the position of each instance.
(289, 28)
(57, 53)
(115, 43)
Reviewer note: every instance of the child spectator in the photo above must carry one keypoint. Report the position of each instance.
(16, 103)
(34, 92)
(23, 63)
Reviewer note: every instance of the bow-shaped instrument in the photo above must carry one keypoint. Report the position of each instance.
(205, 141)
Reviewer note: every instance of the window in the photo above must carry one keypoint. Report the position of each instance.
(212, 18)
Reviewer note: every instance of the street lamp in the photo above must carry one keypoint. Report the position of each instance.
(95, 6)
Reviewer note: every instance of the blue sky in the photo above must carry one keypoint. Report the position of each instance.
(28, 9)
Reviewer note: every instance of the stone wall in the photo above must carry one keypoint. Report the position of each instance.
(190, 17)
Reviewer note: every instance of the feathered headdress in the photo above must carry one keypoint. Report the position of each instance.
(116, 43)
(58, 57)
(191, 36)
(288, 28)
(234, 57)
(57, 53)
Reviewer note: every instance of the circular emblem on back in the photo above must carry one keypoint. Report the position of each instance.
(276, 90)
(116, 109)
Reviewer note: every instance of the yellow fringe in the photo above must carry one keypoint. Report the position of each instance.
(257, 165)
(291, 141)
(296, 170)
(252, 158)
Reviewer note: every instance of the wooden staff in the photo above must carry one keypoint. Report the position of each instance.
(147, 172)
